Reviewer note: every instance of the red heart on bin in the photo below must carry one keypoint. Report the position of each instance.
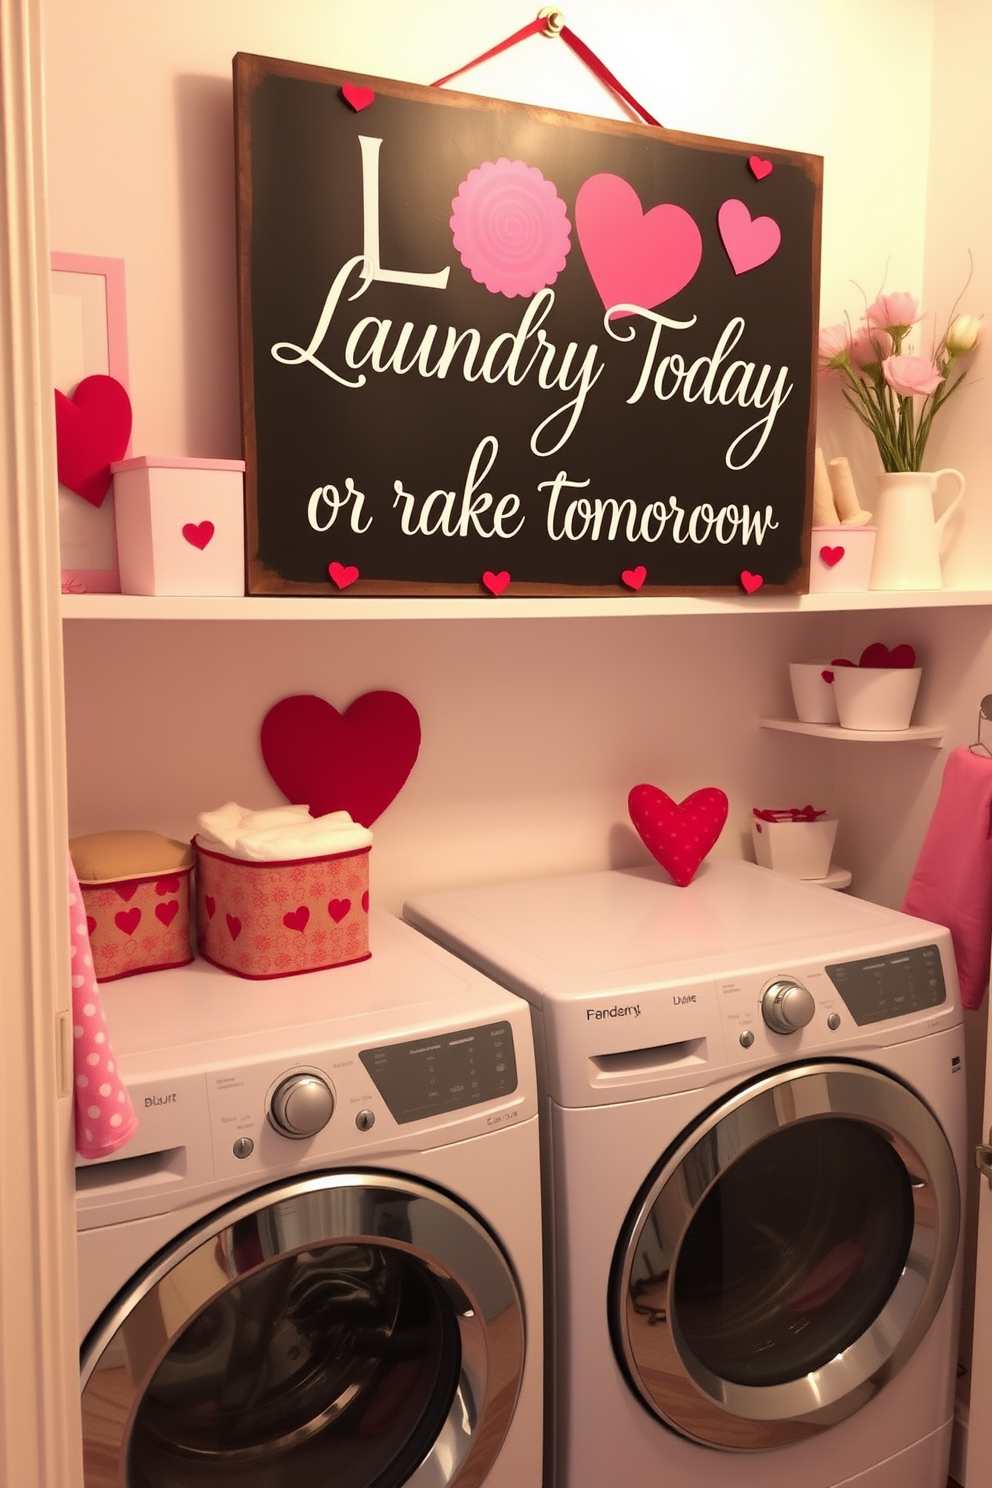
(678, 834)
(338, 909)
(128, 920)
(879, 655)
(831, 556)
(297, 918)
(198, 534)
(167, 912)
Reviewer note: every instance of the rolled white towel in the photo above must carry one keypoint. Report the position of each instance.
(824, 510)
(282, 834)
(226, 824)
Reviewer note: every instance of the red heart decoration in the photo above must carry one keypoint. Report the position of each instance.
(760, 168)
(233, 926)
(679, 834)
(751, 582)
(634, 577)
(749, 241)
(90, 924)
(358, 97)
(198, 535)
(365, 901)
(128, 919)
(879, 655)
(341, 575)
(167, 886)
(356, 761)
(831, 556)
(167, 912)
(827, 676)
(338, 908)
(634, 257)
(92, 429)
(841, 661)
(126, 890)
(297, 918)
(495, 582)
(211, 905)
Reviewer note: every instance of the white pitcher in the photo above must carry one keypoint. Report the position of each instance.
(909, 538)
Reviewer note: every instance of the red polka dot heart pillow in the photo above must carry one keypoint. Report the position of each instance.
(678, 834)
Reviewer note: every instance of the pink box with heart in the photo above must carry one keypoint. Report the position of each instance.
(262, 920)
(138, 924)
(840, 559)
(180, 525)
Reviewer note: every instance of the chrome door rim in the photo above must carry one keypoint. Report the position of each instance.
(784, 1412)
(340, 1208)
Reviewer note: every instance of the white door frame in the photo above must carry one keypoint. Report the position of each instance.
(39, 1377)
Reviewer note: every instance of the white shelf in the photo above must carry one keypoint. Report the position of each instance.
(915, 734)
(437, 607)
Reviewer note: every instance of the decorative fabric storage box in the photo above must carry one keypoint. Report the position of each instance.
(273, 919)
(180, 525)
(136, 890)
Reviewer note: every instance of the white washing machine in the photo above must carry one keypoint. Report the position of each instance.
(319, 1260)
(754, 1101)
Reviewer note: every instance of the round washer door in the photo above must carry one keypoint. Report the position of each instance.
(348, 1328)
(783, 1263)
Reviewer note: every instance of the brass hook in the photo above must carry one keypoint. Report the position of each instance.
(555, 20)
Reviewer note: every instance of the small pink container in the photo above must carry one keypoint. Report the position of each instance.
(263, 920)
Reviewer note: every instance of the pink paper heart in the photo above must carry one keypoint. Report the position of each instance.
(210, 904)
(751, 582)
(297, 918)
(198, 534)
(233, 926)
(678, 834)
(128, 920)
(495, 582)
(749, 242)
(167, 912)
(634, 577)
(879, 655)
(342, 575)
(831, 556)
(92, 429)
(338, 909)
(358, 97)
(634, 257)
(760, 168)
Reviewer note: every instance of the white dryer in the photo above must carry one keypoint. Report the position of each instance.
(319, 1260)
(754, 1101)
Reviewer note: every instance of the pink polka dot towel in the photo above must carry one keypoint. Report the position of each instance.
(105, 1117)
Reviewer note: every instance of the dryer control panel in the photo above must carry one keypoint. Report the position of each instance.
(880, 987)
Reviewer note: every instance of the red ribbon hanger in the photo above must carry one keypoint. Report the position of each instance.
(551, 22)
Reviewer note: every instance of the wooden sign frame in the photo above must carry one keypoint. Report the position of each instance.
(490, 349)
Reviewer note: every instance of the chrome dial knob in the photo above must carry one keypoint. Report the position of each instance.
(302, 1105)
(786, 1006)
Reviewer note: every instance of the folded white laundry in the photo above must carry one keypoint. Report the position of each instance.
(279, 833)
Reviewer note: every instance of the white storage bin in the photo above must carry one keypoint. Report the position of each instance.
(180, 525)
(800, 849)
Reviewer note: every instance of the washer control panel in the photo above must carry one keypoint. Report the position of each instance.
(444, 1072)
(890, 986)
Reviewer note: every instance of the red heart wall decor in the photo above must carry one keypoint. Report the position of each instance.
(356, 761)
(92, 429)
(678, 834)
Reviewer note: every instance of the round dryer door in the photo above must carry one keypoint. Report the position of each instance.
(783, 1263)
(352, 1329)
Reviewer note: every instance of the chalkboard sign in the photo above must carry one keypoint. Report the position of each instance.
(490, 349)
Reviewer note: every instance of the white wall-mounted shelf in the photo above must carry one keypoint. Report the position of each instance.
(439, 607)
(915, 734)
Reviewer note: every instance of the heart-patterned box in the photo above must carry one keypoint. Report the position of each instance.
(137, 915)
(274, 919)
(180, 525)
(840, 559)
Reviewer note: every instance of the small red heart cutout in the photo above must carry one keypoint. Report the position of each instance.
(167, 886)
(90, 924)
(495, 582)
(678, 834)
(338, 908)
(827, 676)
(841, 661)
(167, 912)
(879, 655)
(831, 556)
(211, 905)
(365, 901)
(233, 926)
(634, 577)
(297, 918)
(358, 97)
(342, 575)
(760, 168)
(92, 429)
(128, 919)
(751, 582)
(127, 889)
(198, 534)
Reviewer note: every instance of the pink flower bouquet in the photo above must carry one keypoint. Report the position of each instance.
(894, 392)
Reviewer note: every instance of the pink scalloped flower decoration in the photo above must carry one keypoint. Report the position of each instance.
(509, 227)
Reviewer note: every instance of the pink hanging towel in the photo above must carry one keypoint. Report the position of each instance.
(952, 880)
(105, 1117)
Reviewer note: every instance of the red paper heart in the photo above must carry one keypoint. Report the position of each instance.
(365, 901)
(751, 582)
(341, 575)
(167, 886)
(128, 919)
(827, 676)
(233, 926)
(90, 924)
(211, 905)
(634, 577)
(831, 556)
(879, 655)
(356, 761)
(358, 97)
(127, 889)
(198, 534)
(297, 918)
(167, 912)
(841, 661)
(92, 429)
(495, 582)
(760, 168)
(338, 908)
(678, 835)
